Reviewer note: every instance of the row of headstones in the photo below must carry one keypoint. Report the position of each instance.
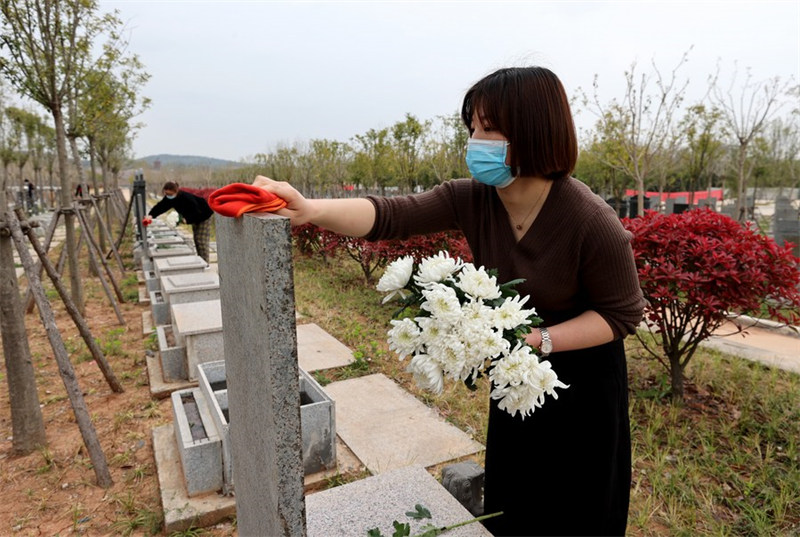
(630, 206)
(265, 387)
(785, 221)
(786, 224)
(184, 295)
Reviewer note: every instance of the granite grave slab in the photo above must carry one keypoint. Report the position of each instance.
(388, 428)
(183, 264)
(197, 287)
(198, 327)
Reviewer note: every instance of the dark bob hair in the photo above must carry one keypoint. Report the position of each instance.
(527, 105)
(172, 186)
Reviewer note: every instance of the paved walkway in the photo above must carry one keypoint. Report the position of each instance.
(769, 346)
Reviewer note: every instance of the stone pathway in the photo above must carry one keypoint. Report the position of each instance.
(388, 428)
(382, 500)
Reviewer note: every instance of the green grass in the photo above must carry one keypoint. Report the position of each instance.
(726, 462)
(129, 286)
(135, 518)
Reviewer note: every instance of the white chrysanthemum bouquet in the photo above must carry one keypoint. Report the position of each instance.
(466, 325)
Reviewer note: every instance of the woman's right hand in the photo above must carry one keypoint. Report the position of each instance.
(298, 209)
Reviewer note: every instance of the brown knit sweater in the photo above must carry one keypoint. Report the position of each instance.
(575, 257)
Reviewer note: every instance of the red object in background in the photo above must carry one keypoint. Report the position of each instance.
(146, 221)
(690, 197)
(236, 199)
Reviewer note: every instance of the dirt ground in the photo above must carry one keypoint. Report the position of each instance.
(53, 490)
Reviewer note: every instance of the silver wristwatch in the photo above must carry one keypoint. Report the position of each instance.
(546, 346)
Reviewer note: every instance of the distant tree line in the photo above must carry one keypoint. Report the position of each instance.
(743, 134)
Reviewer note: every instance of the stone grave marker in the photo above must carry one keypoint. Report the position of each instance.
(198, 328)
(184, 264)
(257, 290)
(196, 287)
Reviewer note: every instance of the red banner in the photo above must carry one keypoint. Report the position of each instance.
(716, 193)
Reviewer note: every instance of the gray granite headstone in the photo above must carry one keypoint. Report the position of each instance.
(260, 339)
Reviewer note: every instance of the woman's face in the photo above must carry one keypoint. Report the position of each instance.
(483, 130)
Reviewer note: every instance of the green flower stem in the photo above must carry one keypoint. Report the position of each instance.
(439, 531)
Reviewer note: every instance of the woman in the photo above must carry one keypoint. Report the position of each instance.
(193, 209)
(566, 469)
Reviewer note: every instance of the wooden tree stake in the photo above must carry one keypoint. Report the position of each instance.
(65, 368)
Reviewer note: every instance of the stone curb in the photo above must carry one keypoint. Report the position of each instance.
(779, 328)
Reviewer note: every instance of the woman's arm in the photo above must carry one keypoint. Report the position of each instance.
(586, 330)
(349, 216)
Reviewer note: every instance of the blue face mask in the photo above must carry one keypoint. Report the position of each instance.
(172, 197)
(486, 160)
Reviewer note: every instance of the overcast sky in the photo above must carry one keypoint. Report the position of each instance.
(232, 79)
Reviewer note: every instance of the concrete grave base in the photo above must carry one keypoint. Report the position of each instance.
(173, 359)
(148, 326)
(159, 388)
(144, 295)
(159, 308)
(199, 443)
(377, 501)
(182, 512)
(318, 350)
(388, 428)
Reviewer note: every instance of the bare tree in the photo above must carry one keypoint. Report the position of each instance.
(703, 149)
(642, 121)
(745, 111)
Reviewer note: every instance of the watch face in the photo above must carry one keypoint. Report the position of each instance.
(547, 347)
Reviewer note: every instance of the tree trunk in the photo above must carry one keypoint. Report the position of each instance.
(107, 200)
(101, 238)
(52, 196)
(741, 200)
(640, 196)
(76, 287)
(27, 425)
(65, 368)
(676, 374)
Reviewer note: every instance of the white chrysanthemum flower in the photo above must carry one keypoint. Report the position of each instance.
(404, 337)
(442, 302)
(427, 373)
(432, 329)
(511, 315)
(396, 277)
(436, 269)
(451, 355)
(475, 319)
(477, 283)
(513, 368)
(477, 313)
(172, 218)
(523, 398)
(546, 379)
(489, 343)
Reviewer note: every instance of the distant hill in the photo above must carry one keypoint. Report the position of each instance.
(185, 160)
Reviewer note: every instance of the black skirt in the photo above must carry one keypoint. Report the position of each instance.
(565, 470)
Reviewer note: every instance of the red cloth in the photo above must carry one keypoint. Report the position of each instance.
(236, 199)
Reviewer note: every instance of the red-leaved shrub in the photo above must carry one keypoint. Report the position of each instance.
(371, 256)
(697, 268)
